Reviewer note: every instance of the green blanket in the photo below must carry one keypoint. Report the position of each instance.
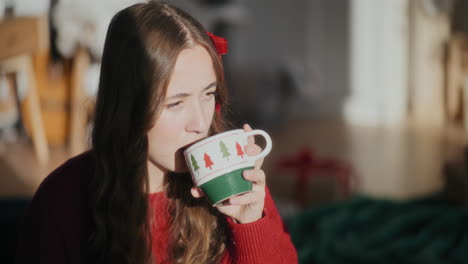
(366, 230)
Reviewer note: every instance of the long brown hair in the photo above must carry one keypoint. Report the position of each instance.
(141, 48)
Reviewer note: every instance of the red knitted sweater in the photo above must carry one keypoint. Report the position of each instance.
(263, 241)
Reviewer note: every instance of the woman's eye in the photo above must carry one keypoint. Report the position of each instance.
(169, 106)
(211, 93)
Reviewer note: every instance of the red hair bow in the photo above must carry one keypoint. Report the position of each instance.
(220, 43)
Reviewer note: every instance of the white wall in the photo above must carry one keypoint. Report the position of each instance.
(379, 62)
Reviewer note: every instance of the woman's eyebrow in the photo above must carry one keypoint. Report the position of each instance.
(183, 95)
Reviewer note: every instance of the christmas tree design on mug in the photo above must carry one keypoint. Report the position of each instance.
(224, 150)
(240, 152)
(194, 163)
(208, 162)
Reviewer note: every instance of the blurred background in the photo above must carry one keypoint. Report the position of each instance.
(365, 101)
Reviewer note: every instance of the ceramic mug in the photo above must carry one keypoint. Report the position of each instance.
(216, 163)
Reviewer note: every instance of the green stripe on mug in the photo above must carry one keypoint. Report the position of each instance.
(223, 187)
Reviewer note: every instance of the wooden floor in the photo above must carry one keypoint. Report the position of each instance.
(21, 173)
(391, 163)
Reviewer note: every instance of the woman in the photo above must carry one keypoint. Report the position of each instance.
(130, 198)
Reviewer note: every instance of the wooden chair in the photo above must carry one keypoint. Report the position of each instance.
(78, 122)
(20, 38)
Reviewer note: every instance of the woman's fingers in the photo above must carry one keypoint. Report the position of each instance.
(253, 150)
(250, 139)
(248, 198)
(256, 176)
(196, 192)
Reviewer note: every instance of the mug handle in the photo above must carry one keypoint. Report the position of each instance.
(268, 146)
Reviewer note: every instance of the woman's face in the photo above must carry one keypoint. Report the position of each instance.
(188, 110)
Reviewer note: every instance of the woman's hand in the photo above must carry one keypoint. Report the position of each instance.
(248, 207)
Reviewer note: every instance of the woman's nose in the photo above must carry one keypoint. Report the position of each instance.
(198, 121)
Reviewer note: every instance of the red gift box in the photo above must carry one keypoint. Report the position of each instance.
(307, 165)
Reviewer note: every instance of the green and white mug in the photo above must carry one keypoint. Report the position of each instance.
(216, 163)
